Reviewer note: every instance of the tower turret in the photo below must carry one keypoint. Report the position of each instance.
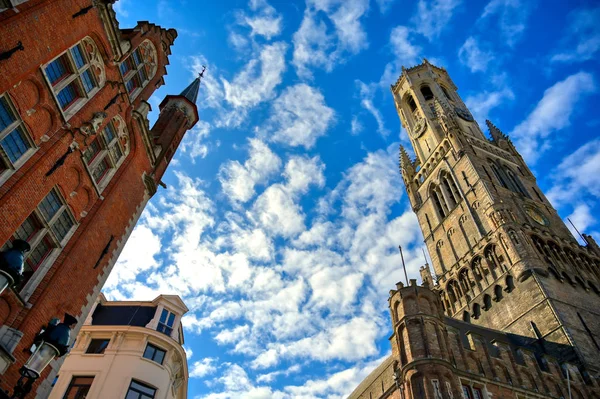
(178, 114)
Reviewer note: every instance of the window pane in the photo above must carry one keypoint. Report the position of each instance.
(142, 76)
(117, 153)
(145, 389)
(78, 56)
(91, 152)
(50, 205)
(6, 115)
(28, 229)
(171, 319)
(38, 254)
(100, 170)
(88, 81)
(163, 316)
(62, 225)
(68, 95)
(133, 395)
(97, 346)
(79, 388)
(466, 392)
(131, 85)
(477, 393)
(149, 352)
(159, 356)
(57, 70)
(109, 132)
(15, 144)
(137, 59)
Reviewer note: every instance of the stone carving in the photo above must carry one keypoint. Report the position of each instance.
(149, 55)
(122, 133)
(94, 124)
(95, 58)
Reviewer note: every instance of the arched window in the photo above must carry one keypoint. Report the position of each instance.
(594, 287)
(487, 302)
(465, 281)
(450, 190)
(516, 183)
(411, 103)
(427, 93)
(466, 317)
(438, 201)
(76, 76)
(476, 311)
(446, 93)
(510, 283)
(139, 68)
(454, 292)
(106, 153)
(499, 175)
(491, 256)
(554, 273)
(497, 293)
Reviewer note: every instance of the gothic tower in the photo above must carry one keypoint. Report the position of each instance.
(502, 256)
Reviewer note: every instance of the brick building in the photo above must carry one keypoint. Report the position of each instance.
(78, 158)
(513, 309)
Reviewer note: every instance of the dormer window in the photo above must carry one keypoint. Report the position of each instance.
(165, 324)
(427, 93)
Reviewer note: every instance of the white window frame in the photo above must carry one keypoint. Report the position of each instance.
(11, 167)
(134, 71)
(106, 153)
(42, 233)
(75, 76)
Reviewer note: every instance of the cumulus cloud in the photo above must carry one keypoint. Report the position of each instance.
(264, 22)
(202, 368)
(481, 104)
(367, 94)
(551, 114)
(299, 116)
(472, 55)
(238, 181)
(193, 141)
(316, 46)
(582, 38)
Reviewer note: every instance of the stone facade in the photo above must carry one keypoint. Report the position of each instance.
(507, 271)
(78, 159)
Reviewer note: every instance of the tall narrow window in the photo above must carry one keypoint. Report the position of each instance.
(14, 139)
(139, 68)
(427, 93)
(105, 154)
(165, 324)
(76, 76)
(79, 388)
(411, 103)
(46, 229)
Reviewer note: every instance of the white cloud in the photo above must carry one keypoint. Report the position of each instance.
(553, 113)
(405, 52)
(482, 103)
(238, 181)
(511, 18)
(577, 176)
(299, 116)
(202, 368)
(582, 217)
(302, 172)
(471, 55)
(232, 335)
(433, 16)
(367, 93)
(384, 5)
(314, 46)
(355, 126)
(264, 22)
(193, 141)
(582, 39)
(277, 212)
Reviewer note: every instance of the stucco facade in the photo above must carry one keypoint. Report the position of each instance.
(129, 355)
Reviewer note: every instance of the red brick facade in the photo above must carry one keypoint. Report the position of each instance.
(101, 192)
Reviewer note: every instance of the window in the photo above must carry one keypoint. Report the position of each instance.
(427, 93)
(139, 68)
(79, 388)
(97, 346)
(75, 75)
(411, 103)
(14, 140)
(165, 324)
(105, 154)
(138, 390)
(46, 229)
(154, 353)
(472, 393)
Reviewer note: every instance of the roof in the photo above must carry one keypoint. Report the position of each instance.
(191, 92)
(362, 387)
(129, 315)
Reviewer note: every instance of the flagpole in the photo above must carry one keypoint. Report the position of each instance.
(403, 265)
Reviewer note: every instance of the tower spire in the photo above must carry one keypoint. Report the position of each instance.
(191, 92)
(406, 164)
(496, 133)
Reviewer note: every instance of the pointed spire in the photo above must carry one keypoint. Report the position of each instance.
(496, 133)
(406, 164)
(191, 92)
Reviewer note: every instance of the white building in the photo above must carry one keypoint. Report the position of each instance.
(127, 350)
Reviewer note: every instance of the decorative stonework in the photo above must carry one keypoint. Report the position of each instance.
(95, 58)
(150, 56)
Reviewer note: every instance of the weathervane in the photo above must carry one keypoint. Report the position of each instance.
(201, 74)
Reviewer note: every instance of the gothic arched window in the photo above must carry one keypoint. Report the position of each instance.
(446, 93)
(76, 75)
(427, 93)
(411, 103)
(499, 175)
(139, 68)
(510, 283)
(476, 311)
(497, 293)
(466, 317)
(487, 302)
(516, 183)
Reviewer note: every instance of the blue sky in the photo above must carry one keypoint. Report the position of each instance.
(285, 206)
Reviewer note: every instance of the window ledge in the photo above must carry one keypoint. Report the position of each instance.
(4, 176)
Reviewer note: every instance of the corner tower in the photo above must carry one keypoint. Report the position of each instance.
(502, 256)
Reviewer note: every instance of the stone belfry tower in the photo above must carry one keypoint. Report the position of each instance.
(503, 257)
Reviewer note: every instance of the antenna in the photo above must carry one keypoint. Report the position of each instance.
(582, 237)
(403, 265)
